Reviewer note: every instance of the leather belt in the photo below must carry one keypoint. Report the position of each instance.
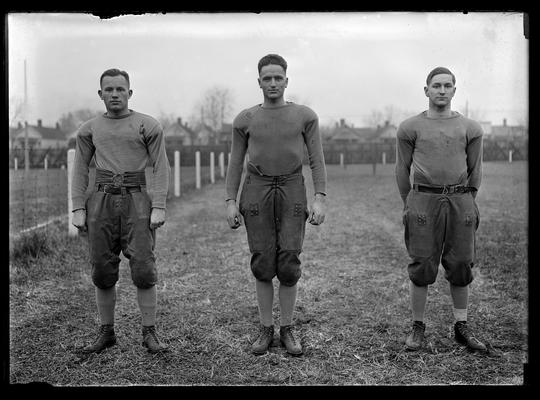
(445, 189)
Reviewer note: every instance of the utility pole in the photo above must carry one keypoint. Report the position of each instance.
(26, 152)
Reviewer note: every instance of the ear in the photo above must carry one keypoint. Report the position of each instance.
(426, 91)
(130, 93)
(259, 82)
(286, 81)
(100, 94)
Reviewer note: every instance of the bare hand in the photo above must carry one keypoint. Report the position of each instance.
(157, 218)
(234, 218)
(317, 211)
(79, 220)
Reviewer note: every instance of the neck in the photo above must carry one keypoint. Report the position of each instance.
(437, 112)
(273, 103)
(116, 114)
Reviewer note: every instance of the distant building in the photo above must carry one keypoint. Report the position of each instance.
(39, 136)
(386, 132)
(205, 135)
(225, 133)
(343, 133)
(182, 132)
(507, 131)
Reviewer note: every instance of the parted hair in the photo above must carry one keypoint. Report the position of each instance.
(114, 72)
(440, 70)
(272, 59)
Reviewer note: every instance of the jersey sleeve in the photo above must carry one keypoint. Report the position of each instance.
(155, 143)
(84, 151)
(312, 139)
(404, 152)
(474, 154)
(238, 152)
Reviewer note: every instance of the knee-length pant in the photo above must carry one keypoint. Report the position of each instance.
(440, 228)
(275, 212)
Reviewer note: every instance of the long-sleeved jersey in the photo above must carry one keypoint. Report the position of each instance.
(274, 139)
(121, 144)
(442, 151)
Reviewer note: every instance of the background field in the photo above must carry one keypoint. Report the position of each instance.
(352, 312)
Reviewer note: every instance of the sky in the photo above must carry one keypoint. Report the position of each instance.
(341, 64)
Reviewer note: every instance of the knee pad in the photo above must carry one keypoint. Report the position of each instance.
(458, 273)
(288, 267)
(263, 265)
(423, 271)
(104, 274)
(143, 273)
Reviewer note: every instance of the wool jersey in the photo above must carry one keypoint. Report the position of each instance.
(442, 151)
(121, 144)
(274, 139)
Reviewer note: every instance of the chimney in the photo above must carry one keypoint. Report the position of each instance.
(39, 123)
(179, 120)
(57, 126)
(504, 121)
(19, 125)
(386, 123)
(342, 122)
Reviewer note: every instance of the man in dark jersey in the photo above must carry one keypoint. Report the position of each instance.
(273, 203)
(119, 214)
(440, 214)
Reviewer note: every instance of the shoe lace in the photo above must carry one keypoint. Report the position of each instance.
(289, 335)
(465, 332)
(151, 331)
(266, 332)
(418, 331)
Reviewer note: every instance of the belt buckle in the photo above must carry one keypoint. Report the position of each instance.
(445, 190)
(117, 180)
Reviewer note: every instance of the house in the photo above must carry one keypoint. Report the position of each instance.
(507, 131)
(343, 133)
(205, 135)
(385, 133)
(225, 134)
(181, 132)
(39, 136)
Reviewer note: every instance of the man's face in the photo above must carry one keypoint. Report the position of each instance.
(273, 81)
(441, 89)
(115, 93)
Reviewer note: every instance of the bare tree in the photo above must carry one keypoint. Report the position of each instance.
(16, 108)
(390, 114)
(71, 121)
(214, 108)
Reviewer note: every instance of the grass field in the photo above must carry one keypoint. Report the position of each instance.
(352, 311)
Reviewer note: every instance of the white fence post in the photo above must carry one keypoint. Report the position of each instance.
(16, 164)
(510, 152)
(198, 169)
(45, 163)
(177, 173)
(212, 167)
(222, 164)
(229, 159)
(384, 158)
(341, 160)
(72, 230)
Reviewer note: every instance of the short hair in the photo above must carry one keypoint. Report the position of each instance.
(440, 70)
(272, 59)
(114, 72)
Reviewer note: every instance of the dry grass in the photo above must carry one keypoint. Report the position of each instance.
(352, 311)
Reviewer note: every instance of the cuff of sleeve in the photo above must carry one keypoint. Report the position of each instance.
(78, 203)
(77, 209)
(158, 204)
